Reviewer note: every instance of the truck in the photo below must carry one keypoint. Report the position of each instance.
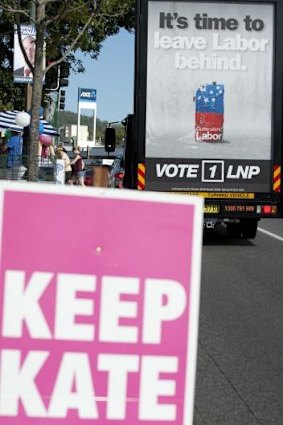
(207, 117)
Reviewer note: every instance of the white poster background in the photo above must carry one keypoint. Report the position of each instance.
(89, 105)
(170, 114)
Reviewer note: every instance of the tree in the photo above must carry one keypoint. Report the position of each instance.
(68, 118)
(66, 25)
(12, 97)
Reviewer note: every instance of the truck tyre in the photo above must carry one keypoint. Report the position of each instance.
(246, 229)
(249, 228)
(233, 230)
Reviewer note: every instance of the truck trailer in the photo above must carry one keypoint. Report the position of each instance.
(207, 115)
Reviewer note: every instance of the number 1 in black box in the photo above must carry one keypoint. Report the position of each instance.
(212, 171)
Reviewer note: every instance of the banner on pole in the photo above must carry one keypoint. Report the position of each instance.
(21, 71)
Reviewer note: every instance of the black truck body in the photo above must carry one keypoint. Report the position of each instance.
(208, 107)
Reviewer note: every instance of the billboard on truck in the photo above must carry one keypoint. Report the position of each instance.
(209, 96)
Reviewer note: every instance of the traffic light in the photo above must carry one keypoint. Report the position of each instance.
(57, 76)
(51, 79)
(64, 74)
(110, 139)
(62, 96)
(124, 122)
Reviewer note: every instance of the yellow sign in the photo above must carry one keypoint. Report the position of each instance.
(220, 195)
(211, 209)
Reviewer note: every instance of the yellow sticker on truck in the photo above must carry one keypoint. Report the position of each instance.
(220, 195)
(211, 209)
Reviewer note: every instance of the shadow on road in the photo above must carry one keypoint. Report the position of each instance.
(218, 236)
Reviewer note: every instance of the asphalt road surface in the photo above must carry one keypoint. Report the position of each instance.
(240, 351)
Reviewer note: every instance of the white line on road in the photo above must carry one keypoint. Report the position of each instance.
(273, 235)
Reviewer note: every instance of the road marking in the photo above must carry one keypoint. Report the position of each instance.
(273, 235)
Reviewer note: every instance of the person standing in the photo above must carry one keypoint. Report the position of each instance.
(14, 149)
(14, 146)
(62, 154)
(78, 166)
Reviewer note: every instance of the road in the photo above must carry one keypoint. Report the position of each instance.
(240, 351)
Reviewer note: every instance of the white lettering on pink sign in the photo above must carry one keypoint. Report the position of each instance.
(22, 309)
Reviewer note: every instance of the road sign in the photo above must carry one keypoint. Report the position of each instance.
(99, 301)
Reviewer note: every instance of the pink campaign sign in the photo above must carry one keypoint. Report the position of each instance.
(99, 300)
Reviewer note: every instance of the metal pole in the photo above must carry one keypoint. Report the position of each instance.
(28, 91)
(29, 86)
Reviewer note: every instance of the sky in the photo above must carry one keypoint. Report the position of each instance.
(112, 75)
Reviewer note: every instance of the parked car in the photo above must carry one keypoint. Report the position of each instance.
(89, 171)
(116, 173)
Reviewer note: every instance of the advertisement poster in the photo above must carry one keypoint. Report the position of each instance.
(21, 71)
(98, 322)
(209, 95)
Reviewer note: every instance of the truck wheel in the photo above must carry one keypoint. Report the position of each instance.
(233, 230)
(249, 228)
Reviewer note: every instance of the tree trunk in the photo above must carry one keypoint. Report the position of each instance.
(38, 75)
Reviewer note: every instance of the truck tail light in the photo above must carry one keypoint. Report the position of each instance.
(266, 209)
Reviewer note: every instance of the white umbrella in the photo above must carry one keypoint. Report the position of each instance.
(8, 120)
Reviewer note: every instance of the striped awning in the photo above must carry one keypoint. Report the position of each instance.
(8, 120)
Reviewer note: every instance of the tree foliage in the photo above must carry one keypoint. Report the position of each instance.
(12, 96)
(111, 15)
(64, 26)
(64, 21)
(65, 118)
